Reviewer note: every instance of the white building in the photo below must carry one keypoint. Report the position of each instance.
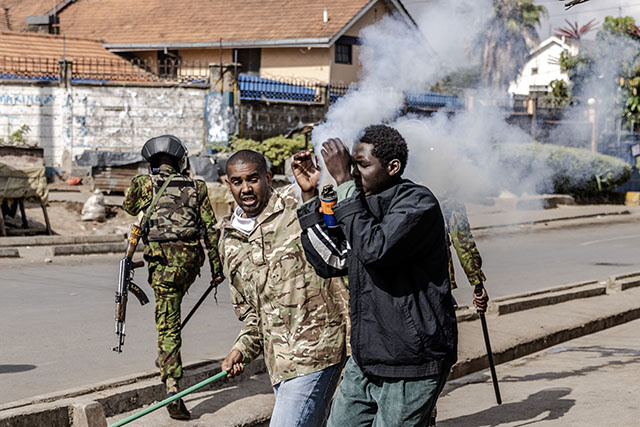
(542, 67)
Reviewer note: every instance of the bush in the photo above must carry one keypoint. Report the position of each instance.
(276, 149)
(564, 170)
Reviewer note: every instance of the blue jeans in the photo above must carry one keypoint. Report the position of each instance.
(304, 401)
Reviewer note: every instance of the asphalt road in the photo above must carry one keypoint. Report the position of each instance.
(540, 258)
(589, 381)
(56, 320)
(57, 327)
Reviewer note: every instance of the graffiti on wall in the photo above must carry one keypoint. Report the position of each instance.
(41, 100)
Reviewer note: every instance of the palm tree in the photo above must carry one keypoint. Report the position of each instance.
(505, 45)
(574, 31)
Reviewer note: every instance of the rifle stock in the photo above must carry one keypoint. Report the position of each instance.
(125, 284)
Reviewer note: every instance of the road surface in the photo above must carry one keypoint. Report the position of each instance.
(57, 319)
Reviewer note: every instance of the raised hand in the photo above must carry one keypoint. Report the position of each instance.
(337, 160)
(306, 173)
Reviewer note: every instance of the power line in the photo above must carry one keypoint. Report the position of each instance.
(595, 10)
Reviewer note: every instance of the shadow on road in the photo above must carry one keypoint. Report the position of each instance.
(12, 369)
(633, 356)
(220, 399)
(548, 401)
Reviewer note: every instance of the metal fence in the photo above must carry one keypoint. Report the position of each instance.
(174, 70)
(336, 91)
(103, 70)
(259, 88)
(23, 68)
(89, 69)
(431, 100)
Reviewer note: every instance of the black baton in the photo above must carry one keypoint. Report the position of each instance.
(492, 366)
(204, 296)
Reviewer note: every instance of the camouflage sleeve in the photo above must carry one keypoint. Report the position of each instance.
(465, 245)
(138, 196)
(212, 234)
(249, 341)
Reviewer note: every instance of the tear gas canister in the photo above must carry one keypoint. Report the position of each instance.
(328, 199)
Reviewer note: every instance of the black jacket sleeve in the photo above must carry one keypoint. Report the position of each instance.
(412, 218)
(325, 248)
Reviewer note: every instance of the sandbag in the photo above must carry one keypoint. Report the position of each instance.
(93, 209)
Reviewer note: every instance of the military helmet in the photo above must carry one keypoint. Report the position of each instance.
(167, 144)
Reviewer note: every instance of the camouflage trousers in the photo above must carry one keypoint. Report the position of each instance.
(452, 271)
(169, 284)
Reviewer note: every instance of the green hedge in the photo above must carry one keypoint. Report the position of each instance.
(567, 170)
(276, 149)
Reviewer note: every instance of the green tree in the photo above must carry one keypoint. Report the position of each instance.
(610, 69)
(455, 83)
(505, 44)
(622, 35)
(276, 149)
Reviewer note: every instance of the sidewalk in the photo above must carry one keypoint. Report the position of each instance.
(589, 381)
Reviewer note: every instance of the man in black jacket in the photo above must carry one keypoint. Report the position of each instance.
(391, 240)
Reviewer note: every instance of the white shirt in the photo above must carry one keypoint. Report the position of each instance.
(244, 225)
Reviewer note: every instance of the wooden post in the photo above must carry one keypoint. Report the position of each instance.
(532, 109)
(46, 218)
(3, 230)
(25, 224)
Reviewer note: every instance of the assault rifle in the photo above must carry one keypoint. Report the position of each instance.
(125, 284)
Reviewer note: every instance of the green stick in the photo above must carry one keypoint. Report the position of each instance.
(168, 400)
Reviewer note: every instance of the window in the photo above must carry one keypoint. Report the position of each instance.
(534, 71)
(343, 53)
(249, 60)
(168, 63)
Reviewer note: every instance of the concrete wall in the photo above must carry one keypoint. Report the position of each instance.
(67, 121)
(260, 120)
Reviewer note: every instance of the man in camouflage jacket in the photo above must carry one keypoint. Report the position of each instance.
(173, 253)
(294, 317)
(457, 224)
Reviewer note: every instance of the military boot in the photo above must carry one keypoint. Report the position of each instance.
(177, 409)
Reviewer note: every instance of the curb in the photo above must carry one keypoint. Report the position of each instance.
(521, 349)
(548, 296)
(551, 297)
(16, 241)
(90, 406)
(9, 253)
(543, 221)
(624, 282)
(86, 249)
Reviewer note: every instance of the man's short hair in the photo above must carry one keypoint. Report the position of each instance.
(387, 143)
(250, 157)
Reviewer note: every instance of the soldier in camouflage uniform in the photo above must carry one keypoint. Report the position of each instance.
(457, 223)
(297, 319)
(459, 234)
(172, 246)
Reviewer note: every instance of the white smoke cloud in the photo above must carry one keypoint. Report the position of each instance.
(448, 153)
(599, 94)
(397, 57)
